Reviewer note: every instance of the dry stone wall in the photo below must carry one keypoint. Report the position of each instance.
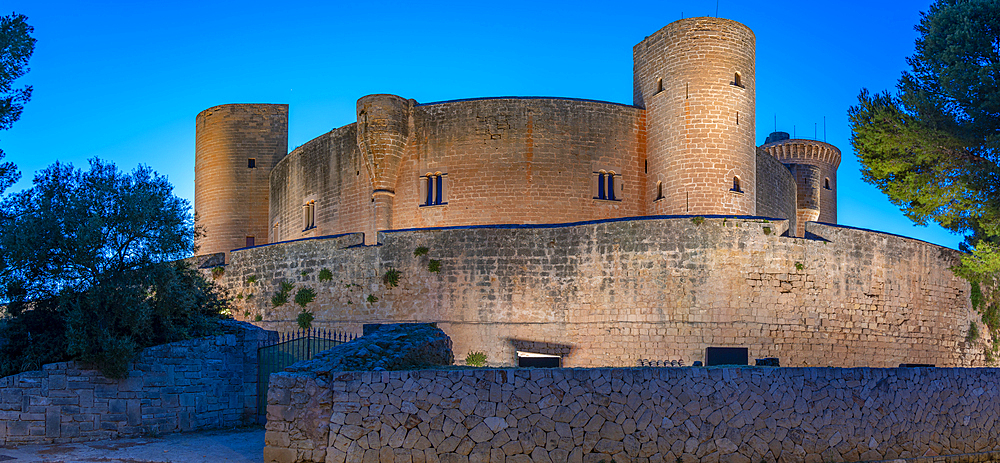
(738, 415)
(617, 292)
(183, 386)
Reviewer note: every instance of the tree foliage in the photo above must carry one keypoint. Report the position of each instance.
(934, 147)
(16, 47)
(89, 270)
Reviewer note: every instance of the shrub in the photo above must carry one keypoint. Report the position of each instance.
(434, 266)
(304, 296)
(698, 220)
(304, 320)
(279, 299)
(217, 272)
(286, 286)
(258, 318)
(391, 277)
(325, 275)
(476, 359)
(372, 298)
(251, 279)
(420, 251)
(799, 266)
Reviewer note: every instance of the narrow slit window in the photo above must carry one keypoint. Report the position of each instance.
(736, 185)
(738, 80)
(611, 186)
(251, 163)
(826, 183)
(659, 191)
(659, 85)
(601, 194)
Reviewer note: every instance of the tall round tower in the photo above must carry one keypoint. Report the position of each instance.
(383, 128)
(236, 147)
(695, 78)
(814, 165)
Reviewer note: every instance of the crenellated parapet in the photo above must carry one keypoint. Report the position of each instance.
(814, 165)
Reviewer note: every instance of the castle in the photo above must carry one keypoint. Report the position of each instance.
(576, 179)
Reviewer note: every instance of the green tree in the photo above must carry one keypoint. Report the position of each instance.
(88, 268)
(934, 146)
(16, 47)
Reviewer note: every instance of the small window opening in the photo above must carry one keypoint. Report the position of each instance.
(659, 85)
(659, 191)
(736, 185)
(309, 215)
(737, 118)
(606, 185)
(738, 80)
(535, 360)
(250, 242)
(433, 185)
(826, 183)
(645, 167)
(251, 163)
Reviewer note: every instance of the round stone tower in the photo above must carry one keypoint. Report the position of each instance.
(236, 146)
(695, 78)
(383, 129)
(814, 165)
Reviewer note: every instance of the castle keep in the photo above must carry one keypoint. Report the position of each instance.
(574, 227)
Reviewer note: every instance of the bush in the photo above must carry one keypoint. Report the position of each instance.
(420, 251)
(476, 359)
(304, 320)
(372, 298)
(391, 277)
(304, 297)
(325, 275)
(434, 266)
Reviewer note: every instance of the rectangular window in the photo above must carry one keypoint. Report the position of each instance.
(250, 242)
(433, 189)
(309, 215)
(251, 163)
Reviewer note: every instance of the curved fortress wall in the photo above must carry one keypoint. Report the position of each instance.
(776, 190)
(613, 292)
(695, 78)
(814, 165)
(236, 147)
(499, 160)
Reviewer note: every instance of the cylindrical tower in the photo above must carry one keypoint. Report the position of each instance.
(383, 128)
(236, 147)
(814, 165)
(695, 78)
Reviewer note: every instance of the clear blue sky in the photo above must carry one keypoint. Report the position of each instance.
(123, 81)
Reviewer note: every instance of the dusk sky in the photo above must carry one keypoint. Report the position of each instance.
(124, 81)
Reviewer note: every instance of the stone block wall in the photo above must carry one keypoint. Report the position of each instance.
(776, 190)
(737, 415)
(183, 386)
(613, 293)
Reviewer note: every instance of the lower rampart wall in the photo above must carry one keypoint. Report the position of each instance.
(617, 292)
(183, 386)
(738, 415)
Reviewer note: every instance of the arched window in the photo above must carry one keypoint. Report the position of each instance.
(826, 183)
(736, 185)
(659, 191)
(601, 192)
(738, 80)
(611, 186)
(309, 215)
(433, 185)
(659, 85)
(606, 184)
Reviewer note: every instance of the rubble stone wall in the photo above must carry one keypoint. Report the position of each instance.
(738, 415)
(183, 386)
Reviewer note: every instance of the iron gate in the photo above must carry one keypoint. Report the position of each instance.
(291, 348)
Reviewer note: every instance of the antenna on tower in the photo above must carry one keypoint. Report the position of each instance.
(824, 129)
(716, 8)
(815, 131)
(775, 122)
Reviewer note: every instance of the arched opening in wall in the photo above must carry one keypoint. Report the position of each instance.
(738, 80)
(611, 186)
(659, 84)
(607, 185)
(659, 191)
(536, 360)
(309, 215)
(432, 185)
(826, 183)
(736, 185)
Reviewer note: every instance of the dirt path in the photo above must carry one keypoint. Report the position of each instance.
(233, 446)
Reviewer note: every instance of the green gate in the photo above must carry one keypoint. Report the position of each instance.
(291, 348)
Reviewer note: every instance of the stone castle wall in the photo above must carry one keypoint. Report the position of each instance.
(776, 189)
(183, 386)
(231, 198)
(612, 293)
(523, 160)
(738, 415)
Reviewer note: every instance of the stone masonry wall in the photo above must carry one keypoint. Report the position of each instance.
(776, 190)
(183, 386)
(614, 293)
(639, 415)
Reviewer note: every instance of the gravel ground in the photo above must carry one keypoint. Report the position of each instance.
(245, 445)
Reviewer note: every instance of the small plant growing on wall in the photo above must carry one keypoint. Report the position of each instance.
(280, 298)
(767, 230)
(476, 359)
(434, 266)
(217, 272)
(325, 275)
(286, 286)
(372, 298)
(251, 279)
(973, 333)
(799, 266)
(698, 220)
(304, 320)
(304, 297)
(391, 277)
(420, 251)
(258, 318)
(304, 273)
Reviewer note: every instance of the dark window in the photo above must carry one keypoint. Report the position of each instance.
(826, 183)
(611, 186)
(250, 241)
(659, 190)
(738, 80)
(606, 186)
(251, 163)
(726, 356)
(600, 186)
(434, 185)
(659, 85)
(538, 362)
(736, 185)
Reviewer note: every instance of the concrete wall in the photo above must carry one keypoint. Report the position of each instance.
(776, 190)
(612, 293)
(738, 415)
(183, 386)
(506, 160)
